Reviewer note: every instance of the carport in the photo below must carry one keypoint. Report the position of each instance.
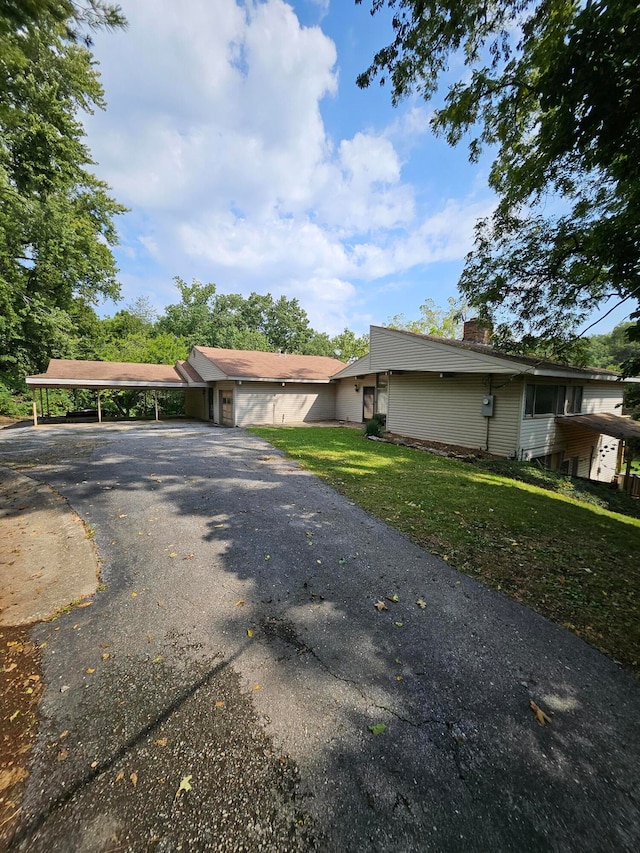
(612, 425)
(100, 376)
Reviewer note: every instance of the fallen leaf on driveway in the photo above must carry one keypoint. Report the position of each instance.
(62, 755)
(85, 604)
(377, 728)
(256, 687)
(380, 606)
(134, 595)
(162, 741)
(184, 785)
(122, 515)
(189, 557)
(11, 667)
(173, 554)
(395, 598)
(249, 632)
(540, 715)
(120, 776)
(90, 671)
(134, 778)
(13, 716)
(106, 656)
(219, 703)
(398, 624)
(421, 603)
(240, 602)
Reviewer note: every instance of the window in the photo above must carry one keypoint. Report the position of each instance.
(574, 400)
(552, 400)
(544, 400)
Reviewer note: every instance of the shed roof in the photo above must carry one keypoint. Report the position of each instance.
(71, 373)
(249, 364)
(512, 363)
(605, 423)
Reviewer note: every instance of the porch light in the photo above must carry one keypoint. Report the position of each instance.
(356, 387)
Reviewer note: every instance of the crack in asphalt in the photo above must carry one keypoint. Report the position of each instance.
(37, 822)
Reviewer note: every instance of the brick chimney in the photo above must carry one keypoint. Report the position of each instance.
(476, 332)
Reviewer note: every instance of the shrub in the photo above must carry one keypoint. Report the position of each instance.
(373, 427)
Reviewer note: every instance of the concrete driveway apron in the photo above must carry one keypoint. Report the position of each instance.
(218, 694)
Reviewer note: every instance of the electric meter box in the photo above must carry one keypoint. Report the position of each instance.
(487, 405)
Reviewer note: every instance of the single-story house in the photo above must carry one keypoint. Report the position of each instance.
(460, 392)
(247, 387)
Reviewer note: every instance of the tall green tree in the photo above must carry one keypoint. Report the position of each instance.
(553, 87)
(56, 217)
(434, 320)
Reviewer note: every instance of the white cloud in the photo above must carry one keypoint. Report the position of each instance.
(214, 136)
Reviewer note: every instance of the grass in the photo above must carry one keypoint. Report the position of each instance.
(574, 561)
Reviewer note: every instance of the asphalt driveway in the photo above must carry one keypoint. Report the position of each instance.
(218, 693)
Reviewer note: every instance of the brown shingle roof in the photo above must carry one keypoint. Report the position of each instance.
(95, 373)
(249, 364)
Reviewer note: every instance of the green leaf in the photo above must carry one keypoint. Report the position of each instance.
(377, 728)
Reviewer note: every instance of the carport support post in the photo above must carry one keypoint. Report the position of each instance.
(41, 405)
(155, 400)
(99, 409)
(46, 391)
(35, 409)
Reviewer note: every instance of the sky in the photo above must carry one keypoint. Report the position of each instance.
(248, 157)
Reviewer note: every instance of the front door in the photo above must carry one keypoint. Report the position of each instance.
(226, 408)
(368, 402)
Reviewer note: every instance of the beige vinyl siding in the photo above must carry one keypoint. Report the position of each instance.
(602, 397)
(196, 403)
(348, 400)
(204, 367)
(356, 368)
(272, 403)
(504, 425)
(541, 435)
(392, 350)
(425, 406)
(583, 443)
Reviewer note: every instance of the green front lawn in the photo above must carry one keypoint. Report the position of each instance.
(576, 562)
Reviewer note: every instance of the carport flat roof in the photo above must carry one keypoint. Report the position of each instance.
(70, 373)
(605, 423)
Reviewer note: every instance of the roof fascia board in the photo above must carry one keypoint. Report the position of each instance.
(111, 383)
(280, 381)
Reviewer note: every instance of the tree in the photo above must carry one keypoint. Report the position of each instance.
(204, 317)
(191, 317)
(443, 322)
(56, 217)
(347, 346)
(553, 86)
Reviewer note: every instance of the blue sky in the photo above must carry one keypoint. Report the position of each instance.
(248, 157)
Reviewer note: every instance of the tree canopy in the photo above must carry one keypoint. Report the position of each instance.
(553, 88)
(56, 217)
(443, 322)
